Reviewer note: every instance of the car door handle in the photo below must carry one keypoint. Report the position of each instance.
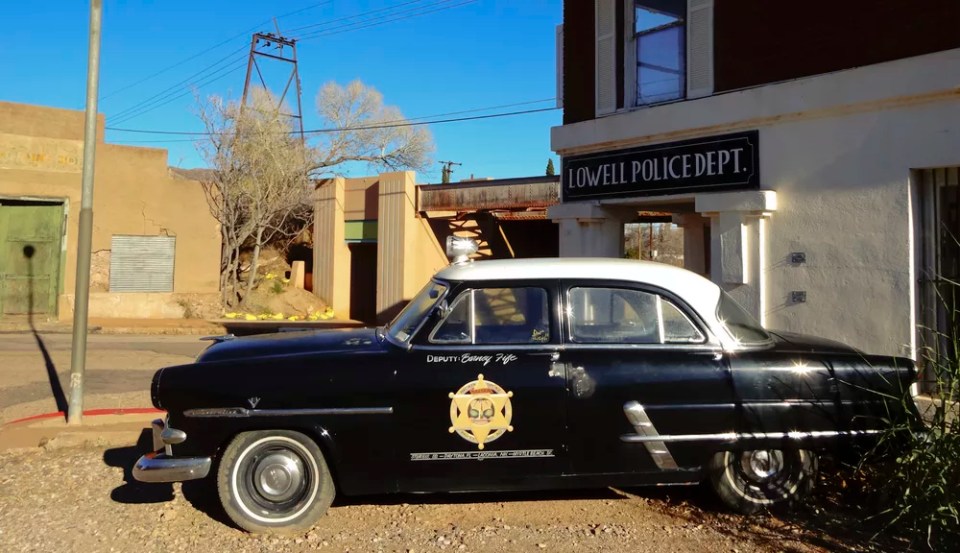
(557, 370)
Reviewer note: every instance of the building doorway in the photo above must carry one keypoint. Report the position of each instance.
(30, 257)
(678, 237)
(363, 282)
(661, 242)
(938, 280)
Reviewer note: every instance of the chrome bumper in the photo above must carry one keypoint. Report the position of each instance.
(162, 466)
(159, 467)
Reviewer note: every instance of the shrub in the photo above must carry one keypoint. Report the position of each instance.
(917, 469)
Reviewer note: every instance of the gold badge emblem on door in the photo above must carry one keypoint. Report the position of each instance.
(480, 411)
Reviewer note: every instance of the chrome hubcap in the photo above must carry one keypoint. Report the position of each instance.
(278, 476)
(761, 464)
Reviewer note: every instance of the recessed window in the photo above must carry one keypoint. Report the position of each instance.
(660, 41)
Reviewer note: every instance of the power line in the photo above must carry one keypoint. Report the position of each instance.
(404, 120)
(374, 22)
(173, 96)
(368, 17)
(173, 88)
(210, 48)
(161, 98)
(384, 126)
(320, 24)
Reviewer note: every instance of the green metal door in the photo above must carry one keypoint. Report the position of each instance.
(30, 235)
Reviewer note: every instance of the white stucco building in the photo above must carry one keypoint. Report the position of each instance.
(811, 159)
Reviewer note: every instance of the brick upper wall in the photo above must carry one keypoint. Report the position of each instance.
(758, 42)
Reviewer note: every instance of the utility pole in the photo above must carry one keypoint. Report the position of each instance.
(262, 45)
(447, 170)
(78, 353)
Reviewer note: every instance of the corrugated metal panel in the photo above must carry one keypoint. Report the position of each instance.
(142, 263)
(494, 195)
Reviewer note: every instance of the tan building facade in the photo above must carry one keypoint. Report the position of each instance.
(153, 237)
(378, 240)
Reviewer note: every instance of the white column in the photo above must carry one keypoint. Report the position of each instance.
(738, 244)
(589, 230)
(694, 243)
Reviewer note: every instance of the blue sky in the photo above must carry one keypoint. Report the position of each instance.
(464, 55)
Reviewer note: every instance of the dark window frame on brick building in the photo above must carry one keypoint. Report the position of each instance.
(660, 50)
(620, 62)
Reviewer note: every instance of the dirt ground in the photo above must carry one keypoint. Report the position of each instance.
(83, 499)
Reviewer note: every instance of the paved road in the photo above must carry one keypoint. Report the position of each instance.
(35, 370)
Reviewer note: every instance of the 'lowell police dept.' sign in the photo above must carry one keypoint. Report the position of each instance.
(727, 162)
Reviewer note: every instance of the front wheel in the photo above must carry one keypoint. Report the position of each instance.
(274, 481)
(748, 481)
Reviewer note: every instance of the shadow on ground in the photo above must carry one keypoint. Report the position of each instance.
(132, 491)
(202, 495)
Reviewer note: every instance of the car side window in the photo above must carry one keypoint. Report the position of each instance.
(489, 316)
(623, 316)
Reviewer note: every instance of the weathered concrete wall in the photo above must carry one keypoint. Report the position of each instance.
(408, 254)
(331, 256)
(134, 192)
(43, 121)
(360, 199)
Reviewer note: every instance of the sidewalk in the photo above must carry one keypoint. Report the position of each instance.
(117, 326)
(173, 326)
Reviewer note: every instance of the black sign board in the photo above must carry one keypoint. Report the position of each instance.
(716, 163)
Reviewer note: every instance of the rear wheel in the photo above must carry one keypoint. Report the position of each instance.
(274, 481)
(749, 481)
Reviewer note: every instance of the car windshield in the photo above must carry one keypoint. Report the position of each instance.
(740, 324)
(402, 327)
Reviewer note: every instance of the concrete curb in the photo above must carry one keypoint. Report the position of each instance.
(100, 428)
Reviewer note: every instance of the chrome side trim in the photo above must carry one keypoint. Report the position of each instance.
(229, 412)
(734, 436)
(218, 338)
(236, 412)
(154, 467)
(327, 411)
(645, 429)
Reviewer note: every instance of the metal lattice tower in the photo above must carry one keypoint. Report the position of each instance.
(270, 47)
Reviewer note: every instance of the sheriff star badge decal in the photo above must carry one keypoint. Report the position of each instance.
(480, 411)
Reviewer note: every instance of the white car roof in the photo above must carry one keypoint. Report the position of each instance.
(700, 294)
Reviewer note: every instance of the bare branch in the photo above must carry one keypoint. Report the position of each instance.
(372, 133)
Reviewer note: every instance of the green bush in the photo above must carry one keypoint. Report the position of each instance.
(916, 472)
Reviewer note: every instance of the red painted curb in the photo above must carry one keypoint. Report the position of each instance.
(90, 413)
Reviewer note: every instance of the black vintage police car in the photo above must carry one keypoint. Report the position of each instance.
(520, 374)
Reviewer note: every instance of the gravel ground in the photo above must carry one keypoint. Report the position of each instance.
(83, 499)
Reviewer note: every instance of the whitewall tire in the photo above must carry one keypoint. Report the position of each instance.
(751, 481)
(274, 481)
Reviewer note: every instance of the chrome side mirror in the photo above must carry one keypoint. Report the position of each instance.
(442, 309)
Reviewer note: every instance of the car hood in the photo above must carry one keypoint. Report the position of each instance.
(289, 343)
(792, 341)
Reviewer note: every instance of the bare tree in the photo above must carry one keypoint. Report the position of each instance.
(367, 131)
(259, 185)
